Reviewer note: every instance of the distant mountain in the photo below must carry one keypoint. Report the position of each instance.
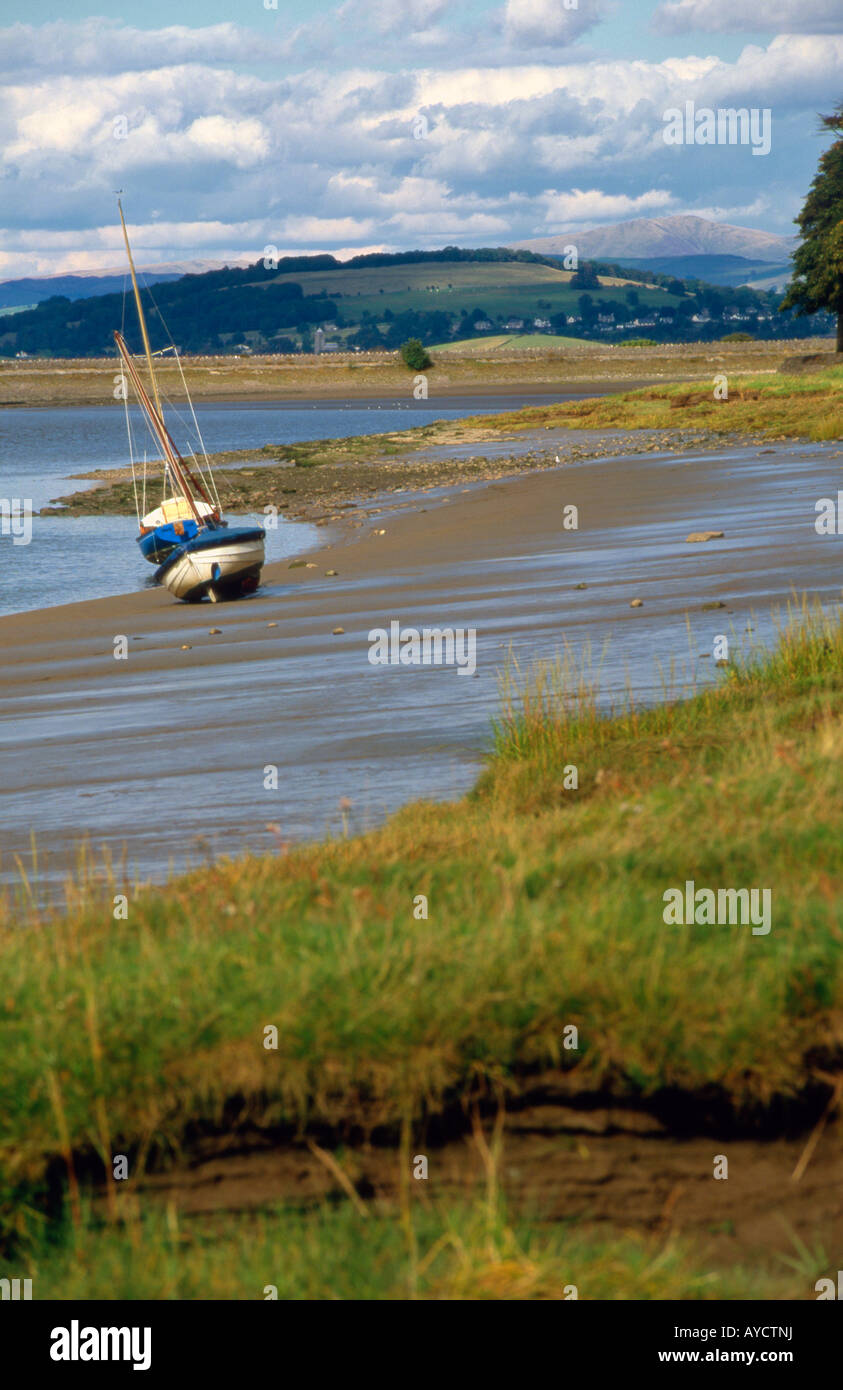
(648, 238)
(109, 280)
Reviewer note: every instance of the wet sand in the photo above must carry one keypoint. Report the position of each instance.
(163, 755)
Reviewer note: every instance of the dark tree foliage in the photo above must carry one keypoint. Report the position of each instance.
(818, 261)
(585, 278)
(415, 355)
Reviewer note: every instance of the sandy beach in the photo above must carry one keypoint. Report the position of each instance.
(161, 756)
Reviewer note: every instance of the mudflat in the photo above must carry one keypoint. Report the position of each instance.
(166, 749)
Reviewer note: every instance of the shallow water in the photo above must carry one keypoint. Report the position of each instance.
(72, 558)
(169, 767)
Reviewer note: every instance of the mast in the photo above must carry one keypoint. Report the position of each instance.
(144, 334)
(171, 453)
(180, 469)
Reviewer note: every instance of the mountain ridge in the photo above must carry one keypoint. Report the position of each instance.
(681, 235)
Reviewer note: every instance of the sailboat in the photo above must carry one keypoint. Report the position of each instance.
(197, 553)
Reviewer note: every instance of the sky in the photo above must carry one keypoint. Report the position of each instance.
(313, 125)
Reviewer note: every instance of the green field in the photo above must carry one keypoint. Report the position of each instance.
(519, 301)
(497, 342)
(428, 278)
(497, 288)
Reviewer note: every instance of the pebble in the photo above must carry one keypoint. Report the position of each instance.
(337, 631)
(185, 646)
(214, 631)
(331, 572)
(703, 536)
(637, 603)
(272, 624)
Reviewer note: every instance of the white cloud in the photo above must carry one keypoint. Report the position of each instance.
(548, 22)
(327, 155)
(236, 142)
(563, 210)
(104, 45)
(324, 229)
(750, 17)
(401, 17)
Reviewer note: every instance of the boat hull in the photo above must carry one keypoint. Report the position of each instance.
(171, 525)
(222, 565)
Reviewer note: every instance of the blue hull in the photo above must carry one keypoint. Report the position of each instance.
(157, 545)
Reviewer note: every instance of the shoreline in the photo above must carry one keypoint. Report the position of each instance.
(55, 382)
(283, 677)
(330, 477)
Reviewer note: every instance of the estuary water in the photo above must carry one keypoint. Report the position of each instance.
(73, 558)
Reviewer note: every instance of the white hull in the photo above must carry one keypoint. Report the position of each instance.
(215, 570)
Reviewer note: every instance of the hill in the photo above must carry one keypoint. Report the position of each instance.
(376, 301)
(35, 289)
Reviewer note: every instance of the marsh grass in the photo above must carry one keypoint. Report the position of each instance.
(330, 1252)
(770, 406)
(545, 909)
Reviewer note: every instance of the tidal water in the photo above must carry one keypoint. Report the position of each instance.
(91, 755)
(72, 558)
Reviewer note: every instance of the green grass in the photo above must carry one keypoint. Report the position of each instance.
(498, 288)
(494, 342)
(433, 280)
(774, 406)
(520, 301)
(545, 909)
(331, 1252)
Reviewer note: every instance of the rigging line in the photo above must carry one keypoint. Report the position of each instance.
(206, 474)
(199, 434)
(166, 479)
(131, 442)
(125, 393)
(212, 483)
(174, 408)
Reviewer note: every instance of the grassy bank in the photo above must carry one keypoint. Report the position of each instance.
(784, 406)
(545, 910)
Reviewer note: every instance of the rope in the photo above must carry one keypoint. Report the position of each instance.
(125, 394)
(131, 447)
(208, 469)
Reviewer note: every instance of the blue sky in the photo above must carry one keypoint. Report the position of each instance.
(346, 125)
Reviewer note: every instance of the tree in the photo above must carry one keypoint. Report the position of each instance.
(818, 261)
(588, 312)
(415, 355)
(585, 278)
